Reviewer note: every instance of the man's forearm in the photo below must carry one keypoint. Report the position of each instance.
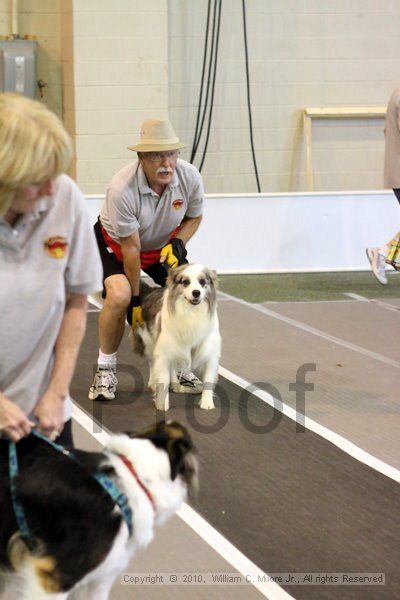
(68, 343)
(132, 268)
(130, 247)
(188, 228)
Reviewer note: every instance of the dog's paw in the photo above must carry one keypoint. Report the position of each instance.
(207, 405)
(161, 404)
(207, 400)
(162, 407)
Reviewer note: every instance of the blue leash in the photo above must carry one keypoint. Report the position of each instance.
(18, 508)
(106, 483)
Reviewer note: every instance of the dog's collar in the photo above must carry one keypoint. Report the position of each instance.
(102, 479)
(132, 469)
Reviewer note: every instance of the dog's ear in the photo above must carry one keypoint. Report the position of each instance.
(212, 277)
(173, 274)
(179, 446)
(182, 459)
(176, 441)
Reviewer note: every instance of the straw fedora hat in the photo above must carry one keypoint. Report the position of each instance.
(157, 135)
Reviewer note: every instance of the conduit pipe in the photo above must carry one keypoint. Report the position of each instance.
(14, 19)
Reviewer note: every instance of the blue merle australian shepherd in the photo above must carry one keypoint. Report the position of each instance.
(181, 332)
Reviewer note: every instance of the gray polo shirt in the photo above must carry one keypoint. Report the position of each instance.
(46, 255)
(131, 205)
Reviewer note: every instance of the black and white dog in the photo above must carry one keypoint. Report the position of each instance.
(83, 542)
(181, 331)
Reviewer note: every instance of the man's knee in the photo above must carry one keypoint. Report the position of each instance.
(118, 293)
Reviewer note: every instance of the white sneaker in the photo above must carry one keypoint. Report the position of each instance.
(378, 264)
(104, 385)
(187, 383)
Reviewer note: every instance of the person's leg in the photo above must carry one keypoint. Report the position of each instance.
(384, 249)
(111, 330)
(117, 294)
(377, 256)
(158, 273)
(112, 315)
(397, 193)
(393, 255)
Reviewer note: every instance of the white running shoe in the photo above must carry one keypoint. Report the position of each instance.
(378, 264)
(104, 385)
(187, 383)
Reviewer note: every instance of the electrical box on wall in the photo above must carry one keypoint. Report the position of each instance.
(18, 66)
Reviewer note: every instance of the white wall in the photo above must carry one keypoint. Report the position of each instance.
(120, 52)
(105, 65)
(126, 60)
(301, 53)
(282, 232)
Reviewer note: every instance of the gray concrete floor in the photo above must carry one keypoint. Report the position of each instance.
(355, 393)
(355, 348)
(176, 548)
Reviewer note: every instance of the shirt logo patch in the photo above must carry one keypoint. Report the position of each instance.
(177, 204)
(56, 247)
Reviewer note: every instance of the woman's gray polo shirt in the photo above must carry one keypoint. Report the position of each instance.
(46, 255)
(132, 206)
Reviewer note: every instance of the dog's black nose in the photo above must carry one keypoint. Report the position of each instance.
(196, 293)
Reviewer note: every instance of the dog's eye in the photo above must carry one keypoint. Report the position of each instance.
(185, 282)
(202, 282)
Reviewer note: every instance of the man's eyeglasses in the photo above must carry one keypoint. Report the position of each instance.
(159, 156)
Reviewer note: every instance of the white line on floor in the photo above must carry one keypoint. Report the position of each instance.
(386, 305)
(231, 554)
(87, 423)
(296, 302)
(336, 439)
(317, 332)
(355, 297)
(218, 542)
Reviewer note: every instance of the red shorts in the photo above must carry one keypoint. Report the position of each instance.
(146, 258)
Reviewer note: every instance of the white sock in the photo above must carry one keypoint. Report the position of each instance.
(107, 361)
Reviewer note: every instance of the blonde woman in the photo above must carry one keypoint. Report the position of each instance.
(49, 262)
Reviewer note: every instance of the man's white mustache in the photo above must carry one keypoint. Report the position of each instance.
(164, 170)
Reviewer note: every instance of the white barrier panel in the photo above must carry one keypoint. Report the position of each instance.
(265, 233)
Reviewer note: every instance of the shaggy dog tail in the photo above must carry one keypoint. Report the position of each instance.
(137, 343)
(145, 290)
(151, 299)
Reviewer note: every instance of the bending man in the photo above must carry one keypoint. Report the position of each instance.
(153, 207)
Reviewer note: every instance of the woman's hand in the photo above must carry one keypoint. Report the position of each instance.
(14, 424)
(49, 411)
